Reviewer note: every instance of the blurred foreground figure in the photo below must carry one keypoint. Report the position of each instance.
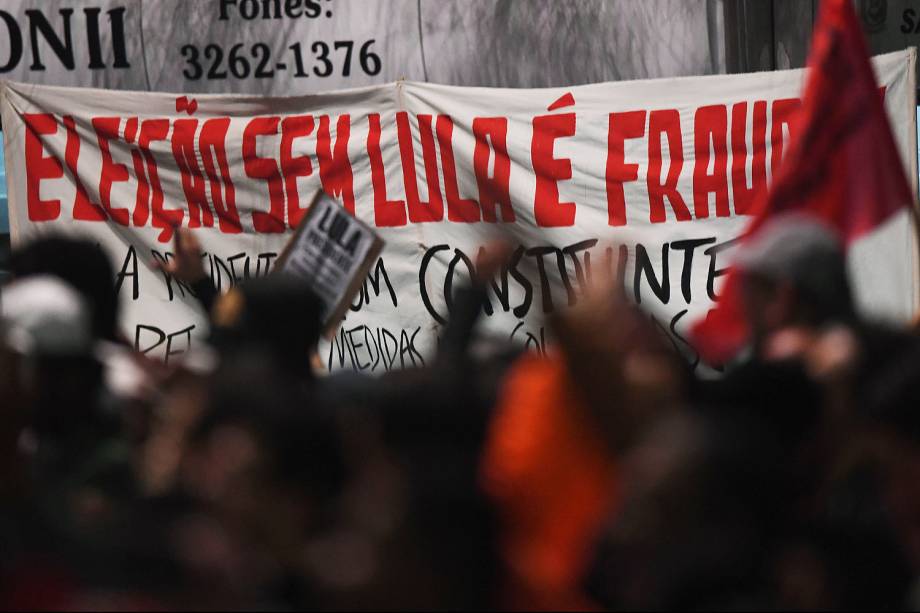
(48, 328)
(86, 268)
(560, 424)
(799, 305)
(81, 264)
(794, 275)
(603, 474)
(277, 315)
(76, 465)
(553, 479)
(52, 383)
(766, 488)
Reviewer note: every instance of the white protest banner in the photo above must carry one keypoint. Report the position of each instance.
(331, 252)
(648, 181)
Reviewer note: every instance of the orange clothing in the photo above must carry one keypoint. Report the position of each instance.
(552, 479)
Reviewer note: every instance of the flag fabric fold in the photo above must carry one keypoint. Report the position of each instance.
(842, 166)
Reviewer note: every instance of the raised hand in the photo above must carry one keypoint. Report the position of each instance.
(186, 264)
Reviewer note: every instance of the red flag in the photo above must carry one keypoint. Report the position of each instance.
(842, 166)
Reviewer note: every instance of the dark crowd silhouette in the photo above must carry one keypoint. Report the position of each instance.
(603, 475)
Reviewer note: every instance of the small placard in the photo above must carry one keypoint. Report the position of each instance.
(332, 251)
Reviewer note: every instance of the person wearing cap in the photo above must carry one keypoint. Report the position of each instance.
(72, 444)
(45, 317)
(794, 276)
(798, 301)
(47, 330)
(804, 322)
(85, 267)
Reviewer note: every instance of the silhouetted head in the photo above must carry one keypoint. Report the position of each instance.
(794, 273)
(278, 314)
(47, 325)
(84, 266)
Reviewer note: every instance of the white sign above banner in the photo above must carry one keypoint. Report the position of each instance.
(331, 253)
(646, 181)
(280, 47)
(290, 47)
(87, 44)
(268, 47)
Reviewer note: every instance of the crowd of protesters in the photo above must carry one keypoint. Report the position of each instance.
(603, 475)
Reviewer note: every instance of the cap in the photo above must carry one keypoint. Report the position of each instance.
(44, 316)
(796, 248)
